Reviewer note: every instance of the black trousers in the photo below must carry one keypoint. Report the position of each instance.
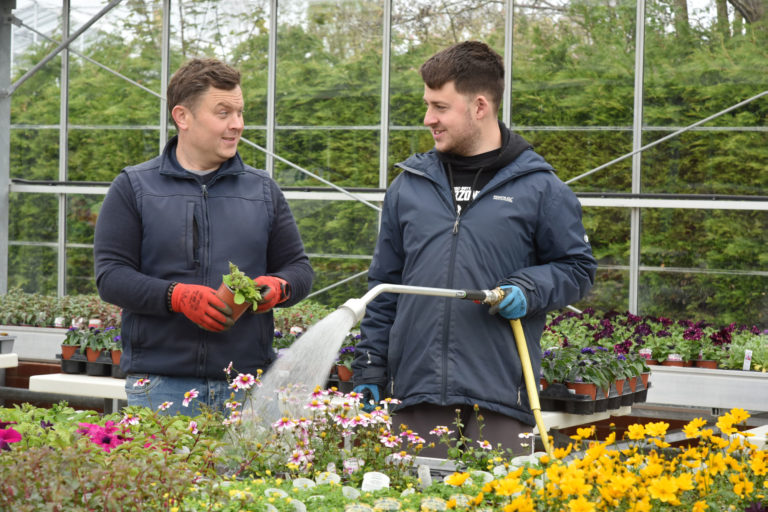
(492, 427)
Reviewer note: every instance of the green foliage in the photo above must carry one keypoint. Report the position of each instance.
(242, 286)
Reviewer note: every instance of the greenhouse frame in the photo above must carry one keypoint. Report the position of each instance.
(666, 154)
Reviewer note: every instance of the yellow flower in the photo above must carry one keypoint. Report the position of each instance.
(699, 506)
(581, 504)
(584, 433)
(664, 489)
(685, 482)
(693, 428)
(758, 463)
(520, 504)
(457, 479)
(636, 432)
(741, 486)
(657, 429)
(561, 453)
(508, 486)
(644, 505)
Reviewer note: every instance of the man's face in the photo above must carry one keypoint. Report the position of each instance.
(214, 127)
(449, 118)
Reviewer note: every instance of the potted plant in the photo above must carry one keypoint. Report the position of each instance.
(92, 344)
(556, 365)
(71, 343)
(239, 291)
(344, 363)
(588, 370)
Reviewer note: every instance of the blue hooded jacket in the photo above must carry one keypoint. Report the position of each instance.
(523, 228)
(157, 225)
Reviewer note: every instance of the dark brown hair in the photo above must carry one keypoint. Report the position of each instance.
(195, 77)
(472, 66)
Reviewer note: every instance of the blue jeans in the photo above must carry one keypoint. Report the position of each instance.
(213, 393)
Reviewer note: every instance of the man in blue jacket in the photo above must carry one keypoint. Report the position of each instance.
(478, 211)
(164, 238)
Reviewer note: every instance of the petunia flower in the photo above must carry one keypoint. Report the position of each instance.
(8, 436)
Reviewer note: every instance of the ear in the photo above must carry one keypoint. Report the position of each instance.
(180, 115)
(482, 107)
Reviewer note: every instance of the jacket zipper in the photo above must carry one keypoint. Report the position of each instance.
(204, 249)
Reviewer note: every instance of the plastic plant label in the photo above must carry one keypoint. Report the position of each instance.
(747, 360)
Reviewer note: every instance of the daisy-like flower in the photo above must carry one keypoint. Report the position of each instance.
(283, 423)
(129, 419)
(485, 445)
(440, 430)
(316, 405)
(243, 381)
(401, 456)
(228, 369)
(192, 427)
(389, 440)
(165, 406)
(141, 383)
(232, 404)
(189, 396)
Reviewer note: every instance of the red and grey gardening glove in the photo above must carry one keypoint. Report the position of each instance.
(273, 291)
(201, 305)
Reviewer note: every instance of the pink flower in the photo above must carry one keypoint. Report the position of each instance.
(228, 369)
(243, 381)
(440, 430)
(283, 423)
(165, 406)
(189, 396)
(485, 445)
(8, 436)
(141, 383)
(389, 440)
(129, 419)
(192, 427)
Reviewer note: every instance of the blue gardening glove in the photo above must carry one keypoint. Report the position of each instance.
(370, 393)
(513, 305)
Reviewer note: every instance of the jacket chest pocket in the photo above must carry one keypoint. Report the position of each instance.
(192, 236)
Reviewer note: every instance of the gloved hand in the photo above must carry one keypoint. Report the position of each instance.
(201, 305)
(370, 393)
(513, 305)
(273, 291)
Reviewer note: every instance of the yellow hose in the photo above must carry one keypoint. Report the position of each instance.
(530, 383)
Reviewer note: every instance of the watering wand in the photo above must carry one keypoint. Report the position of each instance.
(490, 297)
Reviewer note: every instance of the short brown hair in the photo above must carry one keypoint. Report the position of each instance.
(195, 77)
(472, 66)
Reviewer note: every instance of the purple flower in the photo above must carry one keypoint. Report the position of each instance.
(587, 350)
(642, 329)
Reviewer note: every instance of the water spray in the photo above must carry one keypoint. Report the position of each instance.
(306, 363)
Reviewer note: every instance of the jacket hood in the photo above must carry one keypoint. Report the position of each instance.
(518, 154)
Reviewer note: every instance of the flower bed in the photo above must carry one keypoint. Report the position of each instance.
(339, 458)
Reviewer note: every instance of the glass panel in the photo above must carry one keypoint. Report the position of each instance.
(347, 158)
(573, 64)
(706, 264)
(250, 155)
(707, 162)
(82, 211)
(341, 236)
(80, 279)
(573, 153)
(610, 291)
(32, 268)
(100, 155)
(33, 217)
(402, 144)
(327, 74)
(34, 153)
(698, 63)
(330, 271)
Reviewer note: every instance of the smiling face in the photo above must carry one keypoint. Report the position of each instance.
(451, 117)
(209, 131)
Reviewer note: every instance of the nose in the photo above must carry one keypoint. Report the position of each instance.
(237, 122)
(429, 118)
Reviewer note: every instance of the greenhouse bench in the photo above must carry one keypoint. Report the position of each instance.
(109, 388)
